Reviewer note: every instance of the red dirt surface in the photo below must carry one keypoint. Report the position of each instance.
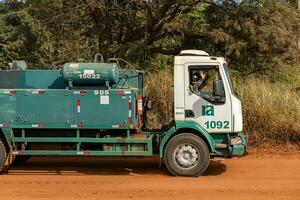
(65, 178)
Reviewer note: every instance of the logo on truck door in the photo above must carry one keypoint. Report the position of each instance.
(208, 110)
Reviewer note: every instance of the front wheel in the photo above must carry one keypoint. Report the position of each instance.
(186, 155)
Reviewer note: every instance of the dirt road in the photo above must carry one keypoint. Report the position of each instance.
(140, 178)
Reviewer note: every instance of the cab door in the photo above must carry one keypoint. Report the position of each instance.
(211, 112)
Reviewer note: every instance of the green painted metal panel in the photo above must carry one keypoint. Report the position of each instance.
(85, 153)
(117, 151)
(133, 79)
(221, 140)
(164, 138)
(44, 79)
(110, 108)
(238, 150)
(130, 148)
(47, 107)
(8, 108)
(87, 140)
(32, 79)
(72, 126)
(64, 108)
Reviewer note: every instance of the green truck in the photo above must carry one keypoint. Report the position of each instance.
(98, 109)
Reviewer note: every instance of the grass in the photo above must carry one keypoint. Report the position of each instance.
(159, 87)
(271, 112)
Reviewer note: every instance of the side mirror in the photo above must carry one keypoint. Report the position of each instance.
(218, 88)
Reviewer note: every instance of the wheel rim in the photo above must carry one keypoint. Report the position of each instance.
(186, 156)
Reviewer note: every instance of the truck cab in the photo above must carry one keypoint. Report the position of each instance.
(214, 106)
(207, 109)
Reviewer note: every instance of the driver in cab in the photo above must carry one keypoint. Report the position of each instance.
(199, 81)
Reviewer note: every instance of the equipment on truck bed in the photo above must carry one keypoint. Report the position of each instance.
(93, 74)
(92, 109)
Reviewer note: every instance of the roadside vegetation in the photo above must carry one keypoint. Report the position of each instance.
(259, 39)
(271, 112)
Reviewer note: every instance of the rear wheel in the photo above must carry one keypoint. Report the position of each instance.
(3, 156)
(186, 155)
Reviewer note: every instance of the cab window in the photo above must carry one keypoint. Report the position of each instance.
(203, 81)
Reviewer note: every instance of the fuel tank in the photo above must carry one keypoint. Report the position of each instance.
(94, 74)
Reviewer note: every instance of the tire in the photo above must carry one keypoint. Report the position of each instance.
(186, 155)
(3, 156)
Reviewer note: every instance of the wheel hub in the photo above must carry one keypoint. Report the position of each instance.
(186, 156)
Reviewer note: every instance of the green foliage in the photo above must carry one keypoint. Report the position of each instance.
(67, 30)
(254, 37)
(18, 37)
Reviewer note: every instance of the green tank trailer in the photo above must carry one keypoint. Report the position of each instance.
(98, 109)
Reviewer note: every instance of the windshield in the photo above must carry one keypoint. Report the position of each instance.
(229, 78)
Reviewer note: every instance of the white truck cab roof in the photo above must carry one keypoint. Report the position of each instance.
(193, 53)
(191, 56)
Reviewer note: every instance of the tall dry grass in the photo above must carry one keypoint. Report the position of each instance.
(159, 87)
(271, 111)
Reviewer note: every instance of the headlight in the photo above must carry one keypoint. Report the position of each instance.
(236, 140)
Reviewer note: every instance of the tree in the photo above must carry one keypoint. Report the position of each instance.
(259, 39)
(58, 31)
(19, 35)
(68, 30)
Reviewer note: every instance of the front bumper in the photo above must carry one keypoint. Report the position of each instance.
(239, 149)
